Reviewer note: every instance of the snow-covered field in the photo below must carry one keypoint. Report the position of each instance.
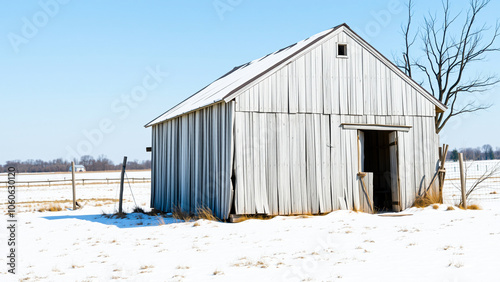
(94, 194)
(426, 245)
(78, 175)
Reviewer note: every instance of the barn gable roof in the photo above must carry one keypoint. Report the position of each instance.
(227, 86)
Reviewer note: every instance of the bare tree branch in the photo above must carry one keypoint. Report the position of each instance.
(485, 176)
(447, 57)
(406, 64)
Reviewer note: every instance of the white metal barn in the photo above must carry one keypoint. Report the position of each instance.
(327, 123)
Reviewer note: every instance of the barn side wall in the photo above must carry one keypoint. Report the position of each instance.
(191, 161)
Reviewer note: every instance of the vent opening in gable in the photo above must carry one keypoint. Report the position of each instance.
(342, 50)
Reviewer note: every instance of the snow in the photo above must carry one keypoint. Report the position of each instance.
(83, 245)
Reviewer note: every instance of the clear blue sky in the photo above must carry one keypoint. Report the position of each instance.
(71, 68)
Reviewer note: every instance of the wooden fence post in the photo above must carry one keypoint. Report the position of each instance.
(443, 152)
(73, 184)
(462, 179)
(121, 184)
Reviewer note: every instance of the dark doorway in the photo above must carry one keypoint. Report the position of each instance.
(377, 159)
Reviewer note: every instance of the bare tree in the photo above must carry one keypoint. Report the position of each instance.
(447, 57)
(488, 153)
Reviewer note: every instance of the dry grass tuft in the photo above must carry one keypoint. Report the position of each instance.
(51, 208)
(429, 199)
(206, 213)
(218, 272)
(201, 213)
(455, 263)
(119, 215)
(242, 218)
(473, 207)
(435, 206)
(178, 213)
(259, 217)
(138, 210)
(155, 212)
(470, 207)
(160, 219)
(450, 208)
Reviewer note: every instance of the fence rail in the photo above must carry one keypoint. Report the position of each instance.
(488, 190)
(55, 182)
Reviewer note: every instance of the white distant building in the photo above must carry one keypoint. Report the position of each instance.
(78, 168)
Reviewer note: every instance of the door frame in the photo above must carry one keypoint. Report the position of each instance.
(393, 164)
(381, 127)
(396, 205)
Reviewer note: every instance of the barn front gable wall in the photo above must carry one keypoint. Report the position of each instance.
(292, 155)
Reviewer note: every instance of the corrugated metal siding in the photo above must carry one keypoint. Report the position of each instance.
(418, 157)
(192, 160)
(282, 163)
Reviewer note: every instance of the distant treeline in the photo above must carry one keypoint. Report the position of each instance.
(475, 154)
(58, 165)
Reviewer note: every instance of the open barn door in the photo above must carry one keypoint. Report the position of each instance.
(378, 168)
(393, 152)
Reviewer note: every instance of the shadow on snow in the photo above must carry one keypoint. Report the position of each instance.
(133, 220)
